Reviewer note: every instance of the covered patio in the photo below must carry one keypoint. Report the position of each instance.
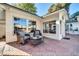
(53, 23)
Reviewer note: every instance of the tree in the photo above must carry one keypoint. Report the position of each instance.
(59, 6)
(30, 7)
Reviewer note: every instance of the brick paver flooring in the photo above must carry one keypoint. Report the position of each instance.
(52, 47)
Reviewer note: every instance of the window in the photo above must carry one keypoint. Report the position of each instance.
(31, 25)
(75, 18)
(67, 27)
(52, 27)
(70, 25)
(46, 27)
(19, 24)
(49, 27)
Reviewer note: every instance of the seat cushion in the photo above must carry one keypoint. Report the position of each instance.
(36, 32)
(26, 37)
(38, 36)
(34, 38)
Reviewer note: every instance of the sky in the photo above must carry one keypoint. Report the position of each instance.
(42, 8)
(74, 8)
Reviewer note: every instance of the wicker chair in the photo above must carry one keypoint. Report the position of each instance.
(23, 37)
(36, 37)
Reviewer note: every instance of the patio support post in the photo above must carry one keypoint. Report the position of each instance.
(39, 26)
(61, 20)
(58, 29)
(62, 24)
(27, 26)
(9, 26)
(63, 27)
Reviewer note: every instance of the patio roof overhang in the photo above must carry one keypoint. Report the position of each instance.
(4, 6)
(54, 13)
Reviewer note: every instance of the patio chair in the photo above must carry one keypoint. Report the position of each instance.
(23, 37)
(36, 37)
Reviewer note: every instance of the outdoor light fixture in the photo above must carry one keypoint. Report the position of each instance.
(57, 22)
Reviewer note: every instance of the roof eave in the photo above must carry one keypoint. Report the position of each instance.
(54, 12)
(20, 9)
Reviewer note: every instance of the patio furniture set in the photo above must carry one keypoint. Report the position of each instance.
(34, 37)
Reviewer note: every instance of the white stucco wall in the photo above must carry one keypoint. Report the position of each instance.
(60, 27)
